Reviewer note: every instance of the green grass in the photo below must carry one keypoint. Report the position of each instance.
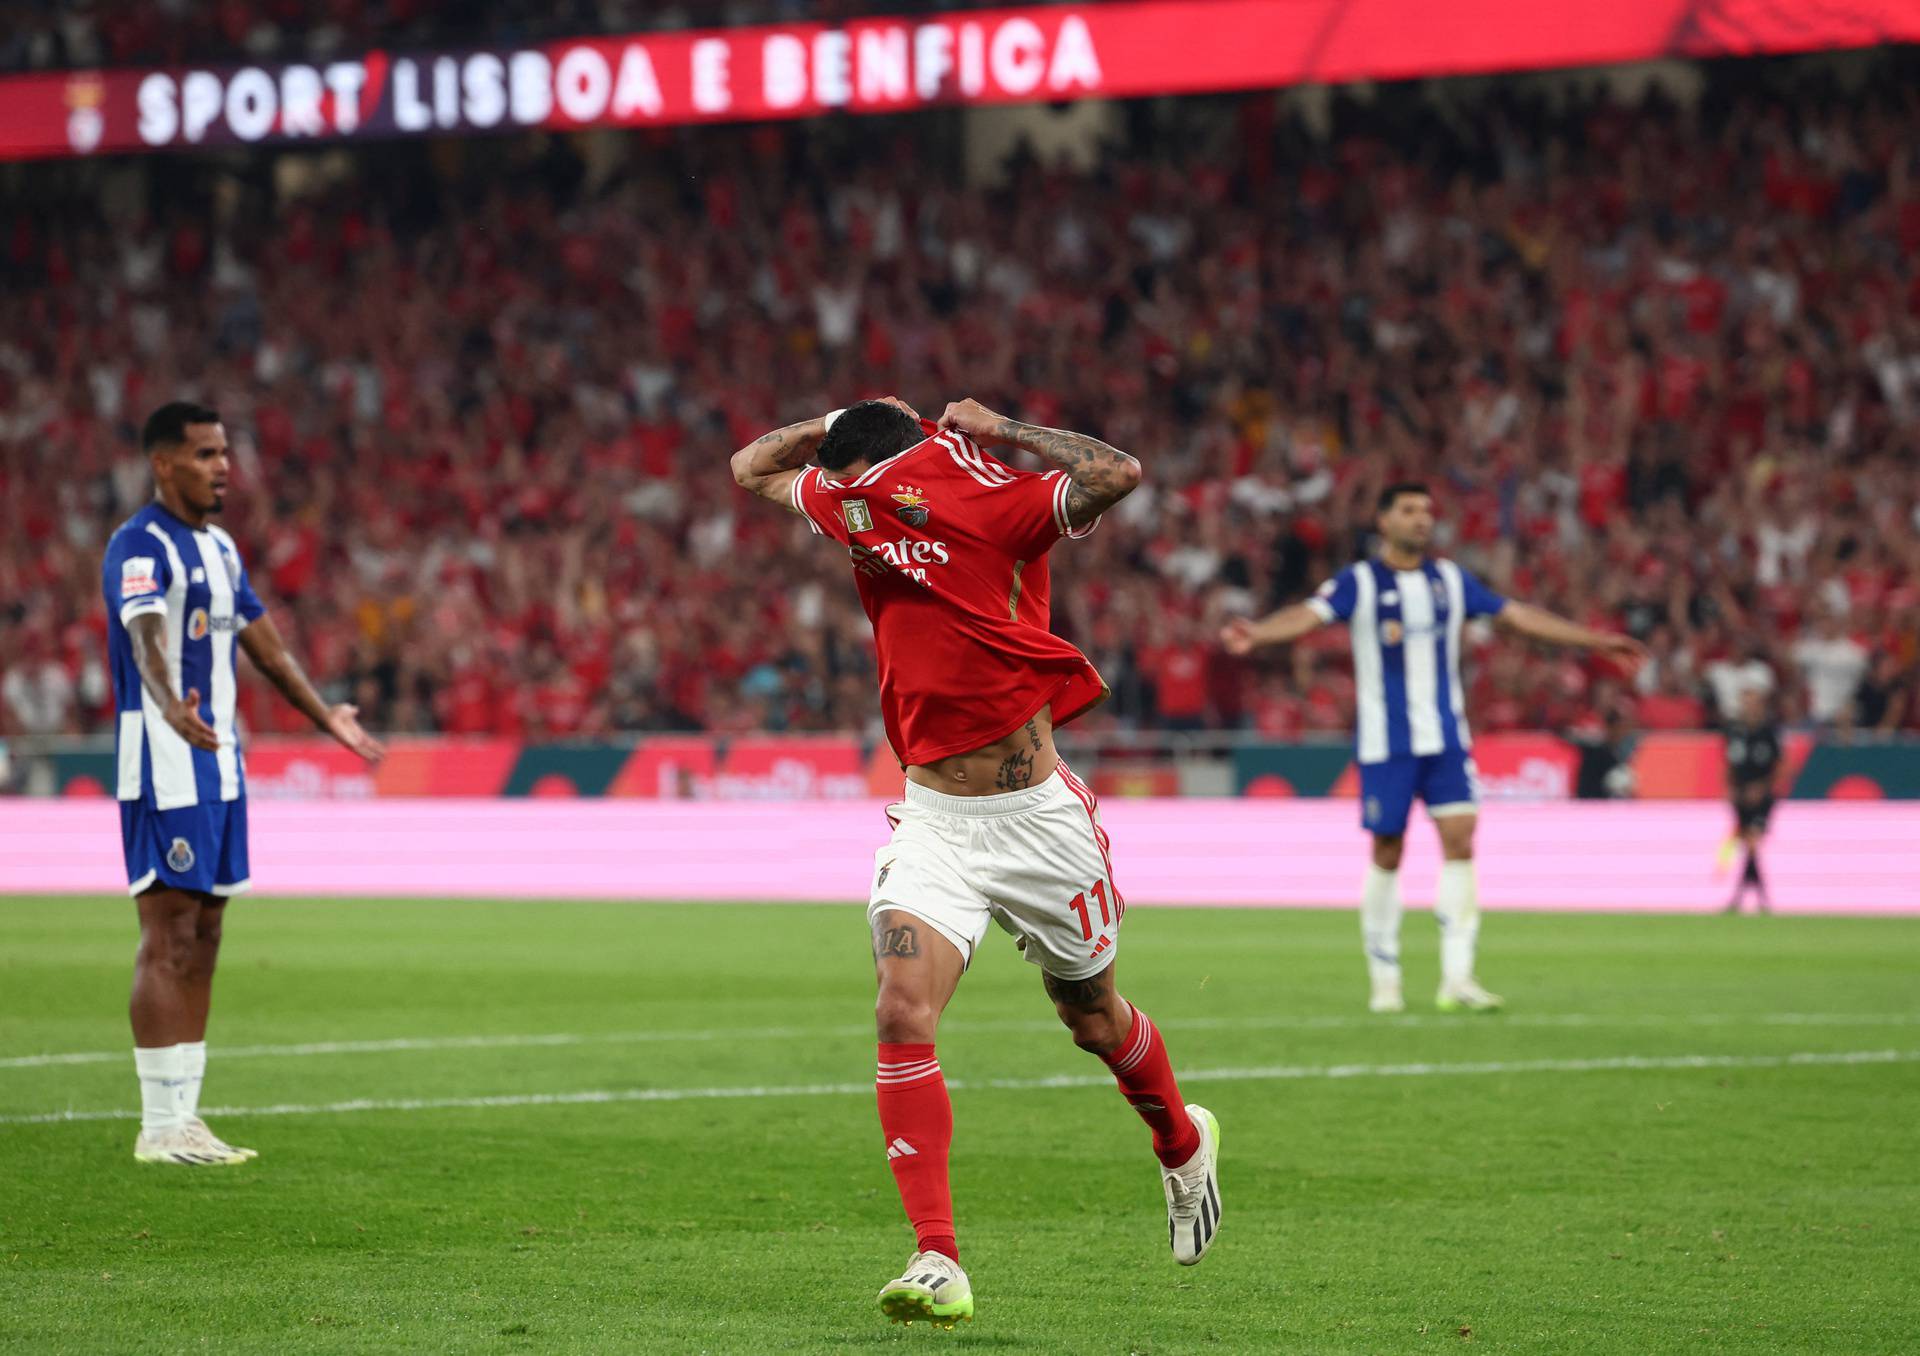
(1737, 1209)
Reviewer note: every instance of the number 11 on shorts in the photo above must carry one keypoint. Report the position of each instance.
(1079, 905)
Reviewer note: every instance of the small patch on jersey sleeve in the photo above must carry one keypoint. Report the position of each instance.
(138, 577)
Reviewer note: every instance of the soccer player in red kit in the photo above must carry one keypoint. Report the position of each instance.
(949, 549)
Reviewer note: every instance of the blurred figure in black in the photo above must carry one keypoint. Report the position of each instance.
(1753, 762)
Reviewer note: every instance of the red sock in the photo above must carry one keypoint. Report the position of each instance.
(917, 1120)
(1146, 1080)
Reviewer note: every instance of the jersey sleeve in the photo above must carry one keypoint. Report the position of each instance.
(1481, 601)
(811, 501)
(246, 603)
(1029, 507)
(1334, 600)
(135, 576)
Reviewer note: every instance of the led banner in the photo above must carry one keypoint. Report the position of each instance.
(883, 64)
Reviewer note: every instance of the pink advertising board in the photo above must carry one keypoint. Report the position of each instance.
(1842, 857)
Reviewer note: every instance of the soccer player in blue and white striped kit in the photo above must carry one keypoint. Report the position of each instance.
(178, 603)
(1405, 611)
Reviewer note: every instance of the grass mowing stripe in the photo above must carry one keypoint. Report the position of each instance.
(403, 1044)
(1271, 1073)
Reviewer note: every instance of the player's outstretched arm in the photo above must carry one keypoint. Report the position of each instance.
(1102, 476)
(1536, 623)
(148, 632)
(1241, 636)
(261, 640)
(768, 464)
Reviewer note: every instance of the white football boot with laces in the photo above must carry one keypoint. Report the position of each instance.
(1193, 1193)
(182, 1146)
(1386, 996)
(932, 1289)
(197, 1127)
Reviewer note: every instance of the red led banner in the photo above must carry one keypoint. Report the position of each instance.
(883, 65)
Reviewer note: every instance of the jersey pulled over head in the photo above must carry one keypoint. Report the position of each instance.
(949, 548)
(865, 435)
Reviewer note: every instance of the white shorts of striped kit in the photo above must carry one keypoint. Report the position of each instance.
(1035, 861)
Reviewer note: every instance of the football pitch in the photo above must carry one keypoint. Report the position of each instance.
(602, 1127)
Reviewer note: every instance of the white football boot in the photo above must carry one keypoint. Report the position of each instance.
(199, 1127)
(932, 1289)
(181, 1146)
(1193, 1193)
(1386, 995)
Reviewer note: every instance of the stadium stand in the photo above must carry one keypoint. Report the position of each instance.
(1661, 364)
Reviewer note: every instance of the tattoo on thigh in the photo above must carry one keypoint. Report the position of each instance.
(1076, 993)
(901, 941)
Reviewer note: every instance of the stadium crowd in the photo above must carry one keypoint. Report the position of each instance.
(1661, 368)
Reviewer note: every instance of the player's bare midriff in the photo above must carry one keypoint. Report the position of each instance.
(1022, 759)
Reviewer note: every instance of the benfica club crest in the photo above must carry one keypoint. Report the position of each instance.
(913, 509)
(86, 123)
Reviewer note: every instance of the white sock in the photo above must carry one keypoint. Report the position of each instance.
(1456, 907)
(163, 1073)
(1380, 924)
(194, 1055)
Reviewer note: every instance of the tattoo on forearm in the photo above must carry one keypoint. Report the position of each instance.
(784, 448)
(901, 941)
(1101, 475)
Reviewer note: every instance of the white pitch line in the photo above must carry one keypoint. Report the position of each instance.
(401, 1044)
(1270, 1073)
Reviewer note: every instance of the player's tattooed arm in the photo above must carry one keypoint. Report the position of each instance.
(1101, 475)
(148, 632)
(269, 653)
(768, 464)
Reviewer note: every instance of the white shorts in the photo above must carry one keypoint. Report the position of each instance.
(1035, 861)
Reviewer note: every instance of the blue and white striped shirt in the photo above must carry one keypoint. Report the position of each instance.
(1406, 628)
(194, 579)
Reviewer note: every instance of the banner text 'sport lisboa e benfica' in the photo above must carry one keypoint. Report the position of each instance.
(890, 64)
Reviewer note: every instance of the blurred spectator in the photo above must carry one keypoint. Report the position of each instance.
(1832, 663)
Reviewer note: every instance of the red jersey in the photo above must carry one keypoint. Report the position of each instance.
(949, 548)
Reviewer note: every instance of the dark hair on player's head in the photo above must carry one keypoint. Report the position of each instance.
(870, 431)
(168, 424)
(1391, 495)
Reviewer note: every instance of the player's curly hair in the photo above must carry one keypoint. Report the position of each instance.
(870, 431)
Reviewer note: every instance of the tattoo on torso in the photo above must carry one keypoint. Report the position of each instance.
(1016, 769)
